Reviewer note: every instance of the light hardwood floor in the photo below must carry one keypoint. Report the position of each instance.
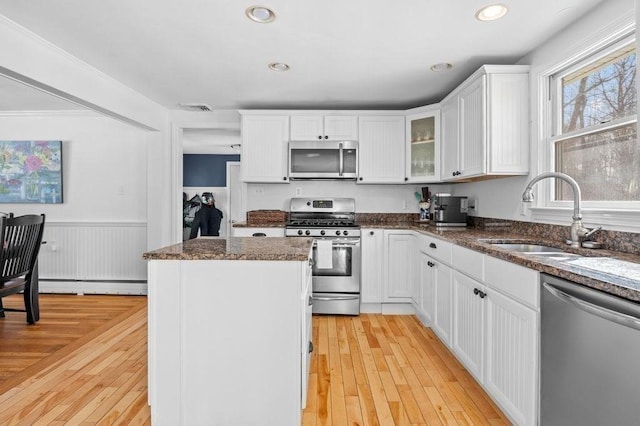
(390, 370)
(85, 363)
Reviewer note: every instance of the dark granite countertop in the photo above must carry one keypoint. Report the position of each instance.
(236, 248)
(613, 272)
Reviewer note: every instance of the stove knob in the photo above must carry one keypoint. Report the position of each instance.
(299, 231)
(337, 232)
(322, 232)
(345, 233)
(307, 232)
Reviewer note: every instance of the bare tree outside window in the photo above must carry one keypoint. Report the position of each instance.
(606, 162)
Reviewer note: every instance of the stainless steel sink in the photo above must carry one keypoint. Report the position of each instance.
(528, 248)
(538, 250)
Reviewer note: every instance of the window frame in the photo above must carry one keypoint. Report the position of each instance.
(621, 215)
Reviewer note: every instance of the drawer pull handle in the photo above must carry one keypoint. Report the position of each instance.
(482, 295)
(310, 301)
(310, 347)
(476, 291)
(431, 264)
(432, 245)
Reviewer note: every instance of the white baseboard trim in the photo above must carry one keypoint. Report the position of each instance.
(93, 287)
(388, 308)
(370, 308)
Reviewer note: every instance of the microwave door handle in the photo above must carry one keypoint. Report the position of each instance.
(341, 159)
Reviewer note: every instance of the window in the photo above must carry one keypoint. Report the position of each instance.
(594, 131)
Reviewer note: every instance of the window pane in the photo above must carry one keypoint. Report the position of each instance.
(606, 165)
(600, 92)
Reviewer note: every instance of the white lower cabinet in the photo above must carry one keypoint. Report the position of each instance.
(434, 299)
(398, 284)
(372, 251)
(468, 322)
(443, 302)
(511, 356)
(496, 337)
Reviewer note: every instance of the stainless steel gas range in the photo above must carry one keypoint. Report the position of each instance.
(336, 251)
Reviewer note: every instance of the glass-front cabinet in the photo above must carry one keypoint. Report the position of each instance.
(423, 145)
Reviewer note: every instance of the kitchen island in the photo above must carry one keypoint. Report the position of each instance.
(229, 331)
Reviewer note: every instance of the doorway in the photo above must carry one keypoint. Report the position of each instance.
(219, 142)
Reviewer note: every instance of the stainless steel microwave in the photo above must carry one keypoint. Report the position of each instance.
(323, 160)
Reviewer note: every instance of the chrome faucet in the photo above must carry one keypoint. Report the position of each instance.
(578, 232)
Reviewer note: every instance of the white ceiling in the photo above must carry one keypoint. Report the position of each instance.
(363, 54)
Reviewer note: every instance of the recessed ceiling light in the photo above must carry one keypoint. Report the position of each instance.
(491, 12)
(443, 66)
(278, 66)
(260, 14)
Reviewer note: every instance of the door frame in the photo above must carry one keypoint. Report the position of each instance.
(177, 152)
(243, 197)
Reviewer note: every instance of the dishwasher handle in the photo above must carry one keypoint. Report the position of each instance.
(592, 308)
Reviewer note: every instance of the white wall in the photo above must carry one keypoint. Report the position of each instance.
(500, 198)
(104, 166)
(369, 198)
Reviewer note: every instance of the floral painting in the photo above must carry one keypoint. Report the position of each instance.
(31, 172)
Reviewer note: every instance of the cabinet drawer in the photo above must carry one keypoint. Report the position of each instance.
(514, 280)
(438, 249)
(249, 232)
(467, 261)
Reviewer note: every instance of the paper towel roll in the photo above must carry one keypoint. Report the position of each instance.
(324, 254)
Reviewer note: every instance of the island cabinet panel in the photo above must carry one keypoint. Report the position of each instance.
(226, 341)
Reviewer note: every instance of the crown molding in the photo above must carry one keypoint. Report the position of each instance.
(50, 113)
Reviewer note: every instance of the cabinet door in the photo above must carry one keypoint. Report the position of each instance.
(508, 128)
(307, 127)
(372, 250)
(264, 148)
(428, 276)
(398, 276)
(468, 323)
(443, 293)
(511, 367)
(423, 147)
(381, 149)
(319, 127)
(341, 128)
(473, 128)
(450, 138)
(307, 332)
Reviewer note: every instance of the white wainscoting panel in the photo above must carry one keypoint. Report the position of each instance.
(93, 257)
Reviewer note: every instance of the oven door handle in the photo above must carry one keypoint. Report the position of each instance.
(330, 298)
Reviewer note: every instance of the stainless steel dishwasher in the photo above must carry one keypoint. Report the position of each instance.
(590, 352)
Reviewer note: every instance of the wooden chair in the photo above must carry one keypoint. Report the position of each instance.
(21, 238)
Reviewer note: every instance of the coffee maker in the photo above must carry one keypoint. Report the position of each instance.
(449, 210)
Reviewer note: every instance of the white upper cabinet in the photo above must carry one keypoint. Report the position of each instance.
(264, 148)
(450, 136)
(381, 149)
(486, 124)
(324, 127)
(423, 145)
